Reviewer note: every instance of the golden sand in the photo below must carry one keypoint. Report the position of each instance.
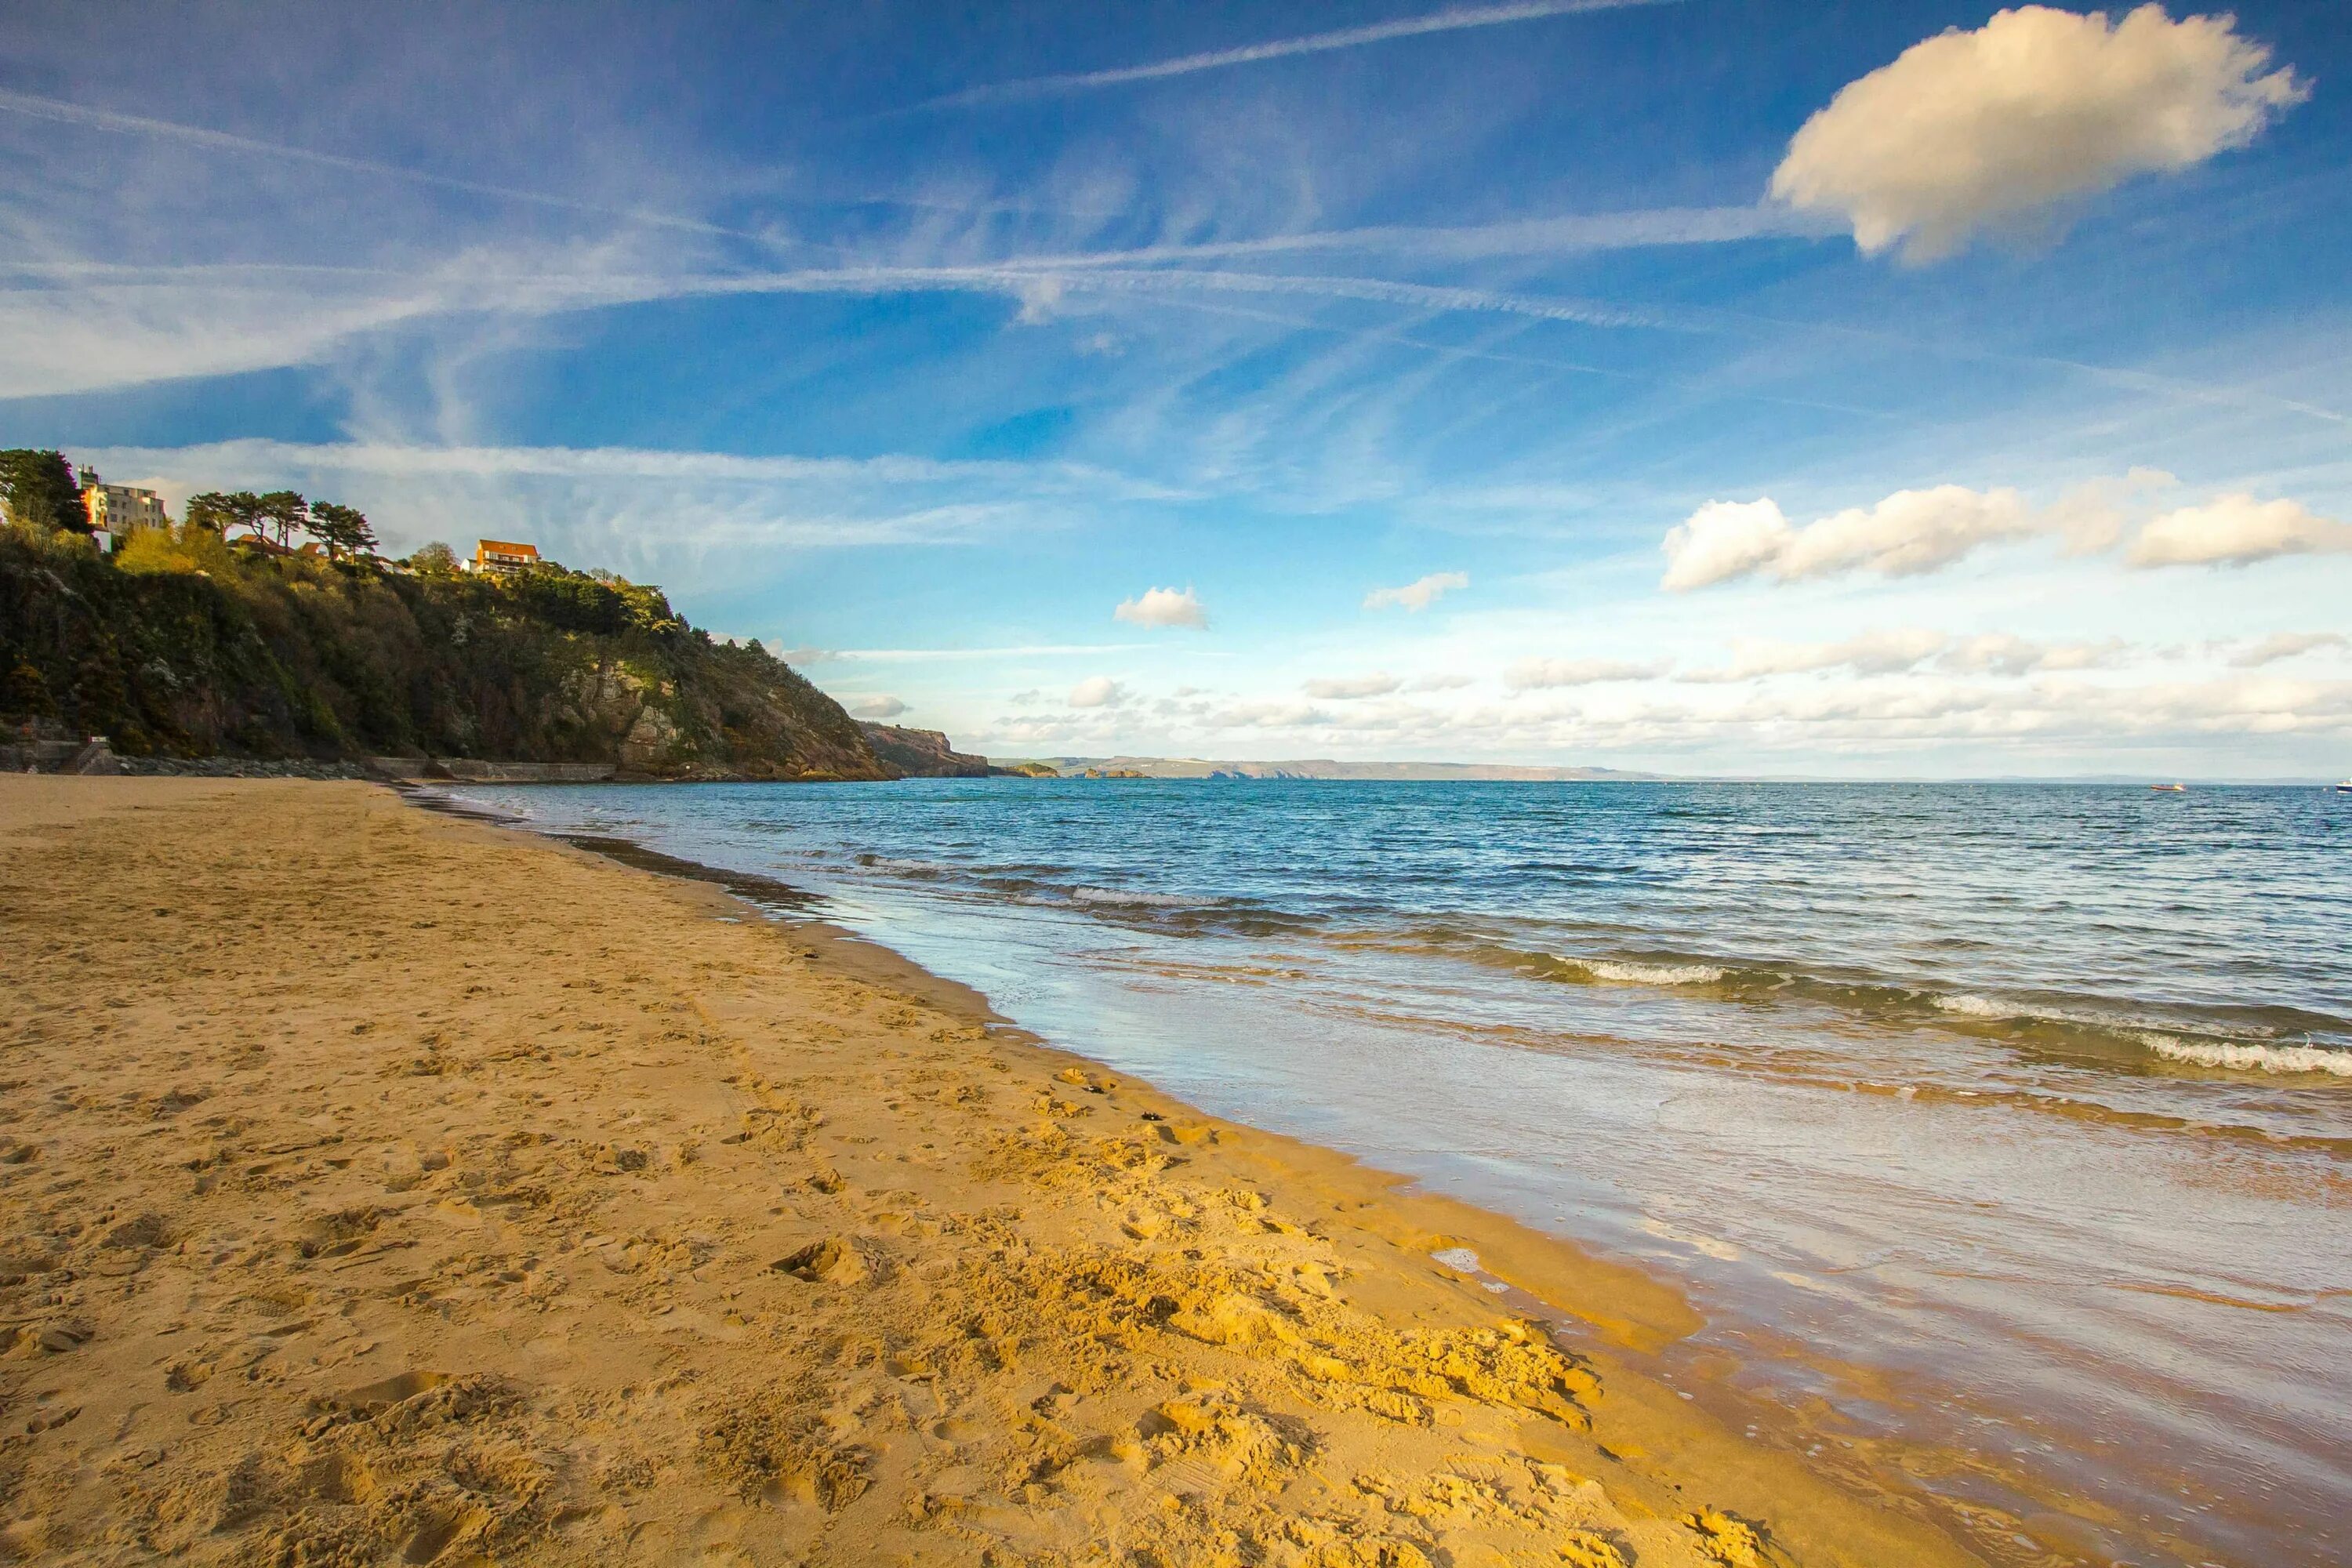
(379, 1187)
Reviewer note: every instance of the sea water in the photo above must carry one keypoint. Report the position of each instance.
(2001, 1132)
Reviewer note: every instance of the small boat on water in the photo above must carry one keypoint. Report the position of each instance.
(2345, 788)
(2171, 788)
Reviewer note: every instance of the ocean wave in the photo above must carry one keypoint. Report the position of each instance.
(2114, 1020)
(1631, 972)
(1973, 1007)
(2092, 1029)
(2244, 1058)
(914, 867)
(1148, 900)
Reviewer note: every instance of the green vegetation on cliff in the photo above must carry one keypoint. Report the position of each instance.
(185, 643)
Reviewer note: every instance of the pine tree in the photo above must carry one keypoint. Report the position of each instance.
(343, 529)
(39, 490)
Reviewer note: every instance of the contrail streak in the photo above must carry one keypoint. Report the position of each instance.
(1014, 279)
(1452, 20)
(1546, 236)
(65, 113)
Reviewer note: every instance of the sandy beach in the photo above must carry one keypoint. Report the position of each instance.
(379, 1186)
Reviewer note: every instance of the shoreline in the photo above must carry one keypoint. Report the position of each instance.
(1271, 1395)
(1856, 1421)
(1664, 1315)
(1546, 1279)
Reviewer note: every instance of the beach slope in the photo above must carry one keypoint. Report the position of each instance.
(381, 1187)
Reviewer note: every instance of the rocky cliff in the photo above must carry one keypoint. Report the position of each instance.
(922, 753)
(194, 648)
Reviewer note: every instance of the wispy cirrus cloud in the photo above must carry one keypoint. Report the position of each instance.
(83, 328)
(667, 512)
(66, 112)
(74, 326)
(417, 460)
(1562, 234)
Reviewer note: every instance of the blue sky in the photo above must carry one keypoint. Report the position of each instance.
(1869, 389)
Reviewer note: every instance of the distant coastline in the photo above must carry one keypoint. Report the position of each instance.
(1312, 768)
(1320, 769)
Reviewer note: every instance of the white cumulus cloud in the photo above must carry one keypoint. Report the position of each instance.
(2004, 653)
(1165, 607)
(1265, 716)
(2286, 645)
(1910, 531)
(1097, 691)
(1532, 673)
(877, 708)
(1901, 650)
(2236, 530)
(1347, 687)
(2000, 128)
(1418, 594)
(1871, 653)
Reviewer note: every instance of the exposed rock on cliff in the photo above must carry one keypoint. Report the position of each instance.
(192, 648)
(922, 753)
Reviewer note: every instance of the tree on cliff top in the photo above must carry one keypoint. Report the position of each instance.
(38, 490)
(343, 529)
(286, 513)
(217, 513)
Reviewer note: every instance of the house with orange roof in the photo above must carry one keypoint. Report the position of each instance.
(502, 555)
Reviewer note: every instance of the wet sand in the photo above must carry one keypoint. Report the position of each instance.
(377, 1187)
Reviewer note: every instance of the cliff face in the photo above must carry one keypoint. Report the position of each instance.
(922, 753)
(198, 648)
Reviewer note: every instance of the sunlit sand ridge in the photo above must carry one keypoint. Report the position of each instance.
(377, 1187)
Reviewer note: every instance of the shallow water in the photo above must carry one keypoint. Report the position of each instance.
(2029, 1107)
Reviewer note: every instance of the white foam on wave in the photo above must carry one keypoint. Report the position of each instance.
(1650, 973)
(2250, 1058)
(1154, 901)
(1974, 1006)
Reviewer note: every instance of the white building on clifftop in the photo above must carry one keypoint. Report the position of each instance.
(116, 509)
